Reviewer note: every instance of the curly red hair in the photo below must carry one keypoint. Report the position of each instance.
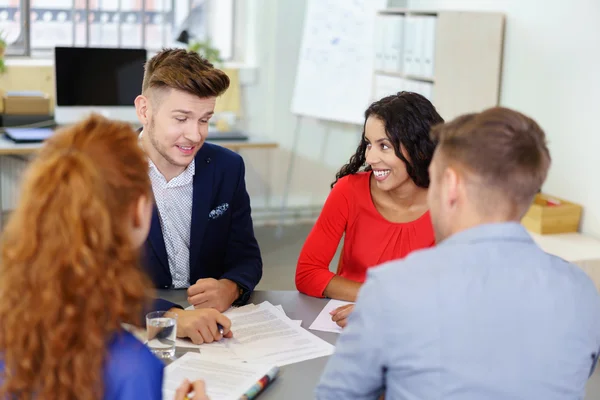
(69, 274)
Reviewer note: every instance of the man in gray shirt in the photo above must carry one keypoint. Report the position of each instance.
(486, 314)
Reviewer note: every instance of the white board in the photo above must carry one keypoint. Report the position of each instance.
(335, 67)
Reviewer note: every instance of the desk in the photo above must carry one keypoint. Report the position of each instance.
(20, 151)
(580, 249)
(8, 147)
(295, 381)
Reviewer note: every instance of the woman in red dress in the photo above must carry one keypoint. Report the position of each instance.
(378, 201)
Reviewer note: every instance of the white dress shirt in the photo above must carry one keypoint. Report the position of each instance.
(174, 202)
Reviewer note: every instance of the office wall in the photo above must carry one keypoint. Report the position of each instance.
(550, 72)
(552, 53)
(323, 147)
(273, 32)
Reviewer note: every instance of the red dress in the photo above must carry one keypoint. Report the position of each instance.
(369, 240)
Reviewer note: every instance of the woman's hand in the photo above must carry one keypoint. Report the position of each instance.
(340, 315)
(187, 387)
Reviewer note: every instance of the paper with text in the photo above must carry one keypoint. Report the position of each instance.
(323, 321)
(264, 336)
(224, 380)
(187, 343)
(262, 333)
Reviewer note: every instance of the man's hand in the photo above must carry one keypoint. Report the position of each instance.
(212, 293)
(201, 325)
(340, 315)
(187, 387)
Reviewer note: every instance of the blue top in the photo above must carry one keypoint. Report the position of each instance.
(484, 315)
(131, 370)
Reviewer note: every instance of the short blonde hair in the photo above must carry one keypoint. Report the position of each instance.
(505, 148)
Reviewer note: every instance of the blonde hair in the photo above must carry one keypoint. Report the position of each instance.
(504, 148)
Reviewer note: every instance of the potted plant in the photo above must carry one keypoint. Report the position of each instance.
(205, 49)
(3, 45)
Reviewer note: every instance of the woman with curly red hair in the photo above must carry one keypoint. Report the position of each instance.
(69, 273)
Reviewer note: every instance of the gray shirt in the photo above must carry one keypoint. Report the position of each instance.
(484, 315)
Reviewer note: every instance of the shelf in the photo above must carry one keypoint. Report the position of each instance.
(401, 75)
(467, 58)
(405, 11)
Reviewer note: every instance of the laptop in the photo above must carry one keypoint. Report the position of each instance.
(28, 135)
(230, 135)
(33, 135)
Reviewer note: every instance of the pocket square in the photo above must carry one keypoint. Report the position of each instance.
(217, 212)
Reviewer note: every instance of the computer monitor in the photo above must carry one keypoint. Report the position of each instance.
(101, 80)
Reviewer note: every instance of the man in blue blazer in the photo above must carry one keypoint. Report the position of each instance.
(201, 238)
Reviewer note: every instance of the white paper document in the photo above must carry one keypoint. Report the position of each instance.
(231, 311)
(323, 321)
(263, 334)
(243, 308)
(224, 380)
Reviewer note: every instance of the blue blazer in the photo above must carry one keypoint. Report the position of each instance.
(222, 243)
(131, 371)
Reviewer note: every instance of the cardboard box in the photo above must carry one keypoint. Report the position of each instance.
(26, 105)
(549, 214)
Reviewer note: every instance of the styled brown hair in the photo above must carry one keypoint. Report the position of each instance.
(186, 71)
(504, 148)
(69, 274)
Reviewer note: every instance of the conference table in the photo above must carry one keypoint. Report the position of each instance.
(295, 381)
(298, 381)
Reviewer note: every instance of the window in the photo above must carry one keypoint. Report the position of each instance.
(12, 20)
(152, 24)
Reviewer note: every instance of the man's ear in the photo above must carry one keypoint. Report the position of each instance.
(452, 185)
(142, 219)
(143, 211)
(142, 104)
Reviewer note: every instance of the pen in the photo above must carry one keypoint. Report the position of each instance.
(257, 388)
(262, 383)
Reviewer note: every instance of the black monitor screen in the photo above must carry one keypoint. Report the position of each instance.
(98, 76)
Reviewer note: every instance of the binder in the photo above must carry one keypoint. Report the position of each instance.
(409, 45)
(394, 43)
(388, 42)
(411, 86)
(429, 30)
(379, 42)
(418, 28)
(386, 85)
(426, 90)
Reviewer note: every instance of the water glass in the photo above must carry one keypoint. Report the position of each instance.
(162, 331)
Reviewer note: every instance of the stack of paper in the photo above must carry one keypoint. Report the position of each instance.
(246, 308)
(224, 380)
(264, 334)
